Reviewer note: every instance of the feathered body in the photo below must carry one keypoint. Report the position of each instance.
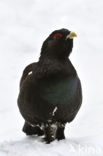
(50, 90)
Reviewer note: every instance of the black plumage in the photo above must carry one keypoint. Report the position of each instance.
(50, 90)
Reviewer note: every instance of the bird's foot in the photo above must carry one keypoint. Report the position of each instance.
(32, 130)
(50, 132)
(60, 132)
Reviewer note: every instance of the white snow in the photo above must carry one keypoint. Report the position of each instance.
(24, 25)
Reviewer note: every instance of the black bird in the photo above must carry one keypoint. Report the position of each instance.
(50, 89)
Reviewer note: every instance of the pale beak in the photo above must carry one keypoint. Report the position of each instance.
(71, 35)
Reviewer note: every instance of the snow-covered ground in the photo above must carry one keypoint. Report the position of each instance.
(24, 24)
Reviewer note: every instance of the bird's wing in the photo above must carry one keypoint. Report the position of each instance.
(26, 72)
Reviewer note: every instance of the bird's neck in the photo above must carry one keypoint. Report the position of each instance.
(48, 66)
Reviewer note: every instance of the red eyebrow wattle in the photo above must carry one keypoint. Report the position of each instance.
(57, 35)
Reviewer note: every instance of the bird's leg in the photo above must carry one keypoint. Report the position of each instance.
(32, 130)
(50, 132)
(60, 131)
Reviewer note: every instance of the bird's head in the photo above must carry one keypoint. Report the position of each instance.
(59, 44)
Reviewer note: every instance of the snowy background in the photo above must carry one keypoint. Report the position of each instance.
(24, 25)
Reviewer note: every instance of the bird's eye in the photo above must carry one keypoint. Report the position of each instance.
(58, 35)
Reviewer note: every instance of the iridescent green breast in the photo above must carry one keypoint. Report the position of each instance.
(58, 91)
